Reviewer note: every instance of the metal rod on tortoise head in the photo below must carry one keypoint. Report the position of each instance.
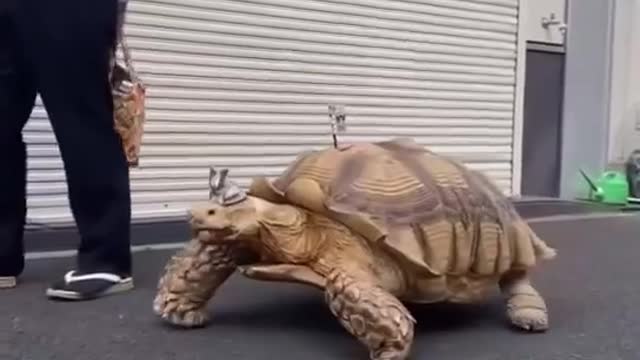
(337, 119)
(216, 181)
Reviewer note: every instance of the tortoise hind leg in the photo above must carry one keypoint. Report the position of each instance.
(526, 309)
(374, 316)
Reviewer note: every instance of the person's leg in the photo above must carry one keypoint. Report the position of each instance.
(17, 95)
(69, 42)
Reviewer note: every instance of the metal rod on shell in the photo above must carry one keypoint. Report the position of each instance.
(337, 117)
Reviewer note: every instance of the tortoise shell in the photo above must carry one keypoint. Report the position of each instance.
(435, 213)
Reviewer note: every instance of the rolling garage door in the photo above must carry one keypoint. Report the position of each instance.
(246, 84)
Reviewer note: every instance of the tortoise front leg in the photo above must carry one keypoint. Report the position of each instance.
(374, 316)
(190, 280)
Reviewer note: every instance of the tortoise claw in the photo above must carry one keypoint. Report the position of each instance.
(172, 310)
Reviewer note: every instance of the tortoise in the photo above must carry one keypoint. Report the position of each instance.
(375, 226)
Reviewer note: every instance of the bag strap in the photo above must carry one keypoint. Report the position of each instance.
(126, 55)
(122, 42)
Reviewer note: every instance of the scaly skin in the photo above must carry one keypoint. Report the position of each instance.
(374, 316)
(526, 309)
(190, 280)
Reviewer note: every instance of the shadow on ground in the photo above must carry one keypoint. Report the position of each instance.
(592, 291)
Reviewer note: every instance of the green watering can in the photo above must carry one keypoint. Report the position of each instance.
(610, 188)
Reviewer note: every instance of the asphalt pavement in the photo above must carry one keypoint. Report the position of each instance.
(592, 290)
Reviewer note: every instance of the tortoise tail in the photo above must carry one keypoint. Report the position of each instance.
(542, 250)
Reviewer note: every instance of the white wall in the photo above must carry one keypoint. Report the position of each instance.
(624, 113)
(587, 93)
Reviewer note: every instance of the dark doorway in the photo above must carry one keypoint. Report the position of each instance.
(542, 120)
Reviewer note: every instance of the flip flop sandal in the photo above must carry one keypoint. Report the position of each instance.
(7, 282)
(89, 286)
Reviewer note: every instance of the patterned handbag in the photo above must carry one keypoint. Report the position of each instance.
(129, 94)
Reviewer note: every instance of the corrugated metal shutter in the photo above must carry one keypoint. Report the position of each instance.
(246, 84)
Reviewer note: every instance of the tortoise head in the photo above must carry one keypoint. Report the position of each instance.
(228, 215)
(215, 222)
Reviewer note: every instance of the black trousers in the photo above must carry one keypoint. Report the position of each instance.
(60, 49)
